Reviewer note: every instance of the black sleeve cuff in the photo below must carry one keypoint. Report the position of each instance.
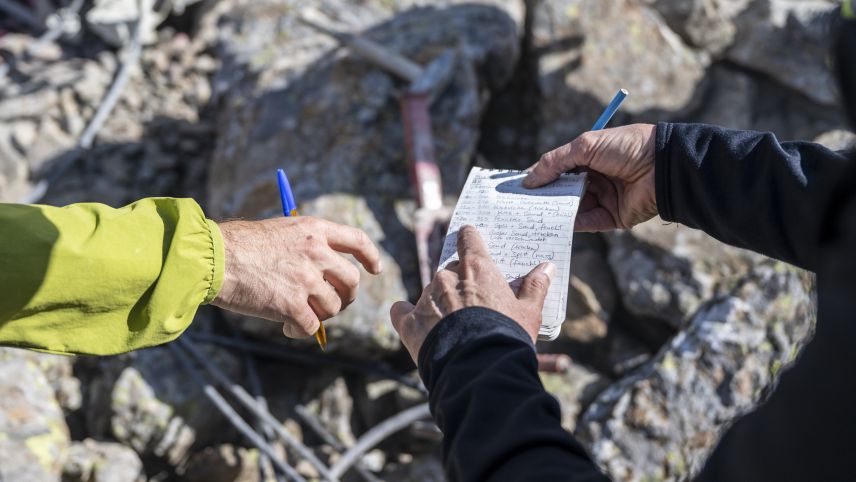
(458, 329)
(662, 166)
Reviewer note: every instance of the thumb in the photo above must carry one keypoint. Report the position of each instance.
(536, 283)
(552, 164)
(399, 310)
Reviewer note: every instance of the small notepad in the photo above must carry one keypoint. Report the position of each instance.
(522, 229)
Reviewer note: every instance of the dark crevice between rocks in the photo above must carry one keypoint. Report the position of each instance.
(511, 120)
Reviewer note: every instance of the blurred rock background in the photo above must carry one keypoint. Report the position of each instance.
(672, 334)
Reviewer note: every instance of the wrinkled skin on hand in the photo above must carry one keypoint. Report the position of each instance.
(620, 165)
(473, 281)
(290, 270)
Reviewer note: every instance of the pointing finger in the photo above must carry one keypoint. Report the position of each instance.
(356, 242)
(470, 244)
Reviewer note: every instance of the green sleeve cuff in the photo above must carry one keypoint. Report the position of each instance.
(219, 268)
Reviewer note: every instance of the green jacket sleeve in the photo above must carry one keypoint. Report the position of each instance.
(90, 279)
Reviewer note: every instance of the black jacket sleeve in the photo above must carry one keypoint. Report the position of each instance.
(746, 188)
(795, 202)
(806, 430)
(498, 422)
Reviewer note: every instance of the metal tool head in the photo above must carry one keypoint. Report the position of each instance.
(437, 75)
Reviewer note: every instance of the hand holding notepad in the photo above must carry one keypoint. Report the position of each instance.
(522, 228)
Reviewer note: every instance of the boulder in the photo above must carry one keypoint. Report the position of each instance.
(738, 98)
(59, 372)
(34, 437)
(789, 41)
(592, 297)
(147, 401)
(95, 461)
(575, 390)
(589, 49)
(705, 24)
(333, 121)
(222, 463)
(666, 271)
(837, 140)
(661, 421)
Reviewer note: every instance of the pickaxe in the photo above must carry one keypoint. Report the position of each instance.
(425, 83)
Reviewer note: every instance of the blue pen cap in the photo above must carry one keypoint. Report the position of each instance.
(285, 194)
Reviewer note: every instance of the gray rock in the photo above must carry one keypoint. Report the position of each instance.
(59, 371)
(33, 433)
(706, 24)
(223, 463)
(94, 461)
(590, 49)
(742, 99)
(575, 390)
(592, 297)
(147, 401)
(661, 421)
(667, 271)
(837, 140)
(333, 121)
(421, 469)
(789, 41)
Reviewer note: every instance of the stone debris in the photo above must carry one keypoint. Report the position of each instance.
(94, 461)
(660, 421)
(34, 437)
(673, 334)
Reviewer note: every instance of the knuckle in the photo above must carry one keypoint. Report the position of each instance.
(314, 246)
(310, 222)
(584, 144)
(547, 160)
(539, 283)
(476, 263)
(305, 280)
(444, 279)
(361, 238)
(353, 277)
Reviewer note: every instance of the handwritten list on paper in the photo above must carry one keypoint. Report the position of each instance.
(522, 229)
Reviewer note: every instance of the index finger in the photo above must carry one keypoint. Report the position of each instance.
(470, 244)
(356, 242)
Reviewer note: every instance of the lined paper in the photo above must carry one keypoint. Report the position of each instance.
(522, 229)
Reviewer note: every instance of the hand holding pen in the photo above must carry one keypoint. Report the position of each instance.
(307, 278)
(620, 165)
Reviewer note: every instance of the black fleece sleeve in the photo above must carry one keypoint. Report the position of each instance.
(806, 430)
(746, 188)
(497, 420)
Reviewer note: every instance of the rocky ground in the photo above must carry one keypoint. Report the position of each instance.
(672, 333)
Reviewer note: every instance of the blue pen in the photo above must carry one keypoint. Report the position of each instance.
(610, 110)
(289, 208)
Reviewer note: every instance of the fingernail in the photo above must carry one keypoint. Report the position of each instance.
(550, 271)
(528, 182)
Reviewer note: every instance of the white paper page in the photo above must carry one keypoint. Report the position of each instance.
(522, 228)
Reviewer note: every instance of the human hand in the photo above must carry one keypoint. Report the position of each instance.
(289, 270)
(473, 281)
(620, 162)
